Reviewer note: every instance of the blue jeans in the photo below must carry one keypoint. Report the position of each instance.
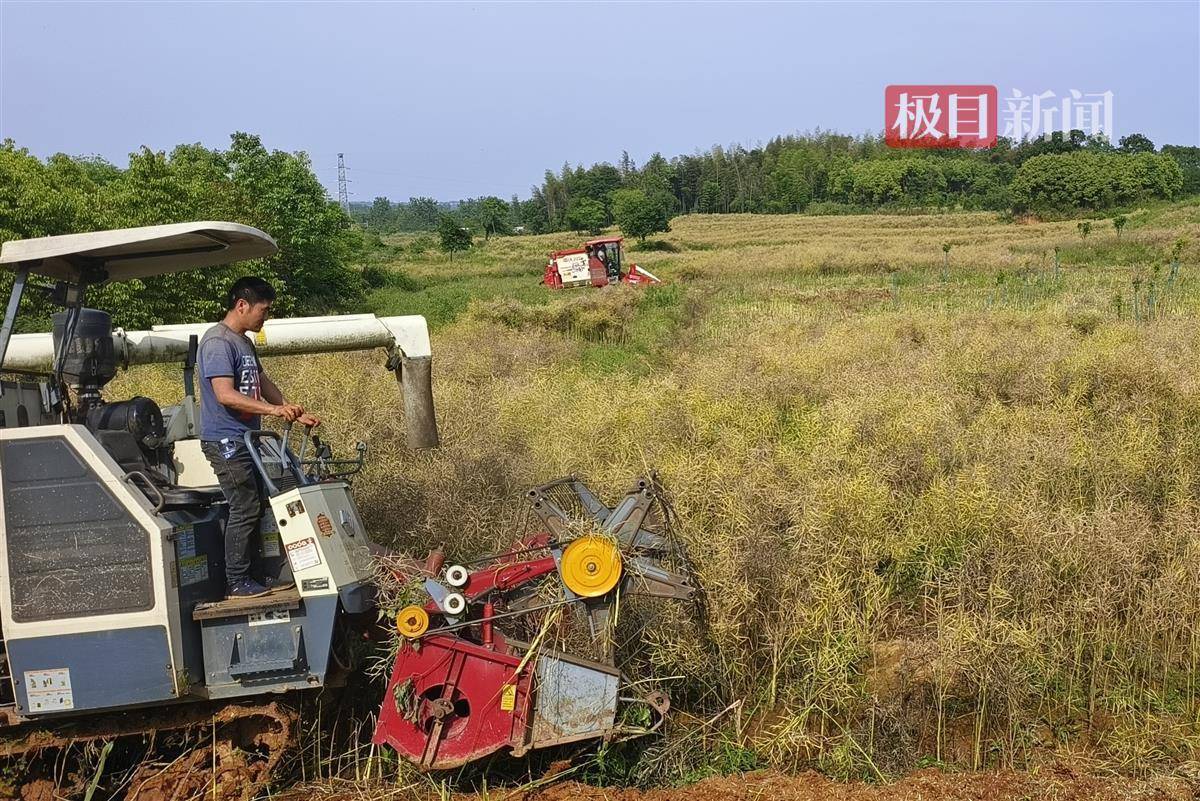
(243, 490)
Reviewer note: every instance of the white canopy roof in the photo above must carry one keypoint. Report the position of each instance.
(127, 253)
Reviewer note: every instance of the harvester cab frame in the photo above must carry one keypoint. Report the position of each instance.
(608, 252)
(111, 519)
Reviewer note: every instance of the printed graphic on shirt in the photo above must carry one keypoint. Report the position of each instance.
(248, 382)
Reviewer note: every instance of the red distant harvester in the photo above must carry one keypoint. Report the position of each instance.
(598, 263)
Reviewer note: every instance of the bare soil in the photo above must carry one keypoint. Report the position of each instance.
(927, 784)
(1058, 784)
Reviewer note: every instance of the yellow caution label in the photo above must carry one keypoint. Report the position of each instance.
(508, 697)
(193, 570)
(260, 337)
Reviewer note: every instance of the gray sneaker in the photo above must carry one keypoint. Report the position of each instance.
(246, 588)
(276, 585)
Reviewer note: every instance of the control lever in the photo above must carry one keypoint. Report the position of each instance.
(304, 443)
(287, 432)
(322, 449)
(324, 466)
(322, 455)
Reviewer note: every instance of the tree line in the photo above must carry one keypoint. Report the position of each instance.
(824, 172)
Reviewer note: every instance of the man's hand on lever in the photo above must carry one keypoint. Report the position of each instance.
(290, 412)
(294, 413)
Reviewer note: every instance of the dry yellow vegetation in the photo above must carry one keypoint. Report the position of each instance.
(943, 509)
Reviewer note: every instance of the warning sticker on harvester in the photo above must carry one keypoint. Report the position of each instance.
(303, 554)
(270, 543)
(267, 618)
(193, 570)
(185, 540)
(508, 697)
(49, 690)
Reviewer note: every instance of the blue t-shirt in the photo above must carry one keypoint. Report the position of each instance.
(225, 353)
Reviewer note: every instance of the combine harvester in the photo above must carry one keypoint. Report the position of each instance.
(113, 622)
(598, 263)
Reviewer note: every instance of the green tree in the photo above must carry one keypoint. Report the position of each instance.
(1119, 222)
(493, 216)
(658, 179)
(923, 181)
(1086, 180)
(533, 216)
(790, 183)
(627, 166)
(586, 214)
(315, 239)
(272, 190)
(638, 214)
(877, 182)
(454, 237)
(1188, 160)
(39, 199)
(975, 184)
(710, 198)
(597, 182)
(1136, 143)
(421, 214)
(380, 215)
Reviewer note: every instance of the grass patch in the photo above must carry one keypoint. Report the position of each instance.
(591, 314)
(1126, 253)
(655, 246)
(378, 277)
(444, 300)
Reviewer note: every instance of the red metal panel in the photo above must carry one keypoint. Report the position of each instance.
(598, 272)
(446, 702)
(637, 275)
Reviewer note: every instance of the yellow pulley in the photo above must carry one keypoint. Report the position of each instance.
(412, 622)
(591, 566)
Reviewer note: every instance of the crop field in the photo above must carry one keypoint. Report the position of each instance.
(944, 502)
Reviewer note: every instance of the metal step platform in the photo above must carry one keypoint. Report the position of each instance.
(276, 601)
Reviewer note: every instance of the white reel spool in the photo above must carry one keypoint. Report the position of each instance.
(456, 576)
(454, 604)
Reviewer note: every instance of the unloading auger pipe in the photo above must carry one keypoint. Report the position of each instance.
(406, 340)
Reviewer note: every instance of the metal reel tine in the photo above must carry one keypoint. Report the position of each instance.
(590, 502)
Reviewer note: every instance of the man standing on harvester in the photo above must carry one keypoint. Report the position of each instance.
(234, 394)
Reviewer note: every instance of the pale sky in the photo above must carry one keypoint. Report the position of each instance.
(462, 100)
